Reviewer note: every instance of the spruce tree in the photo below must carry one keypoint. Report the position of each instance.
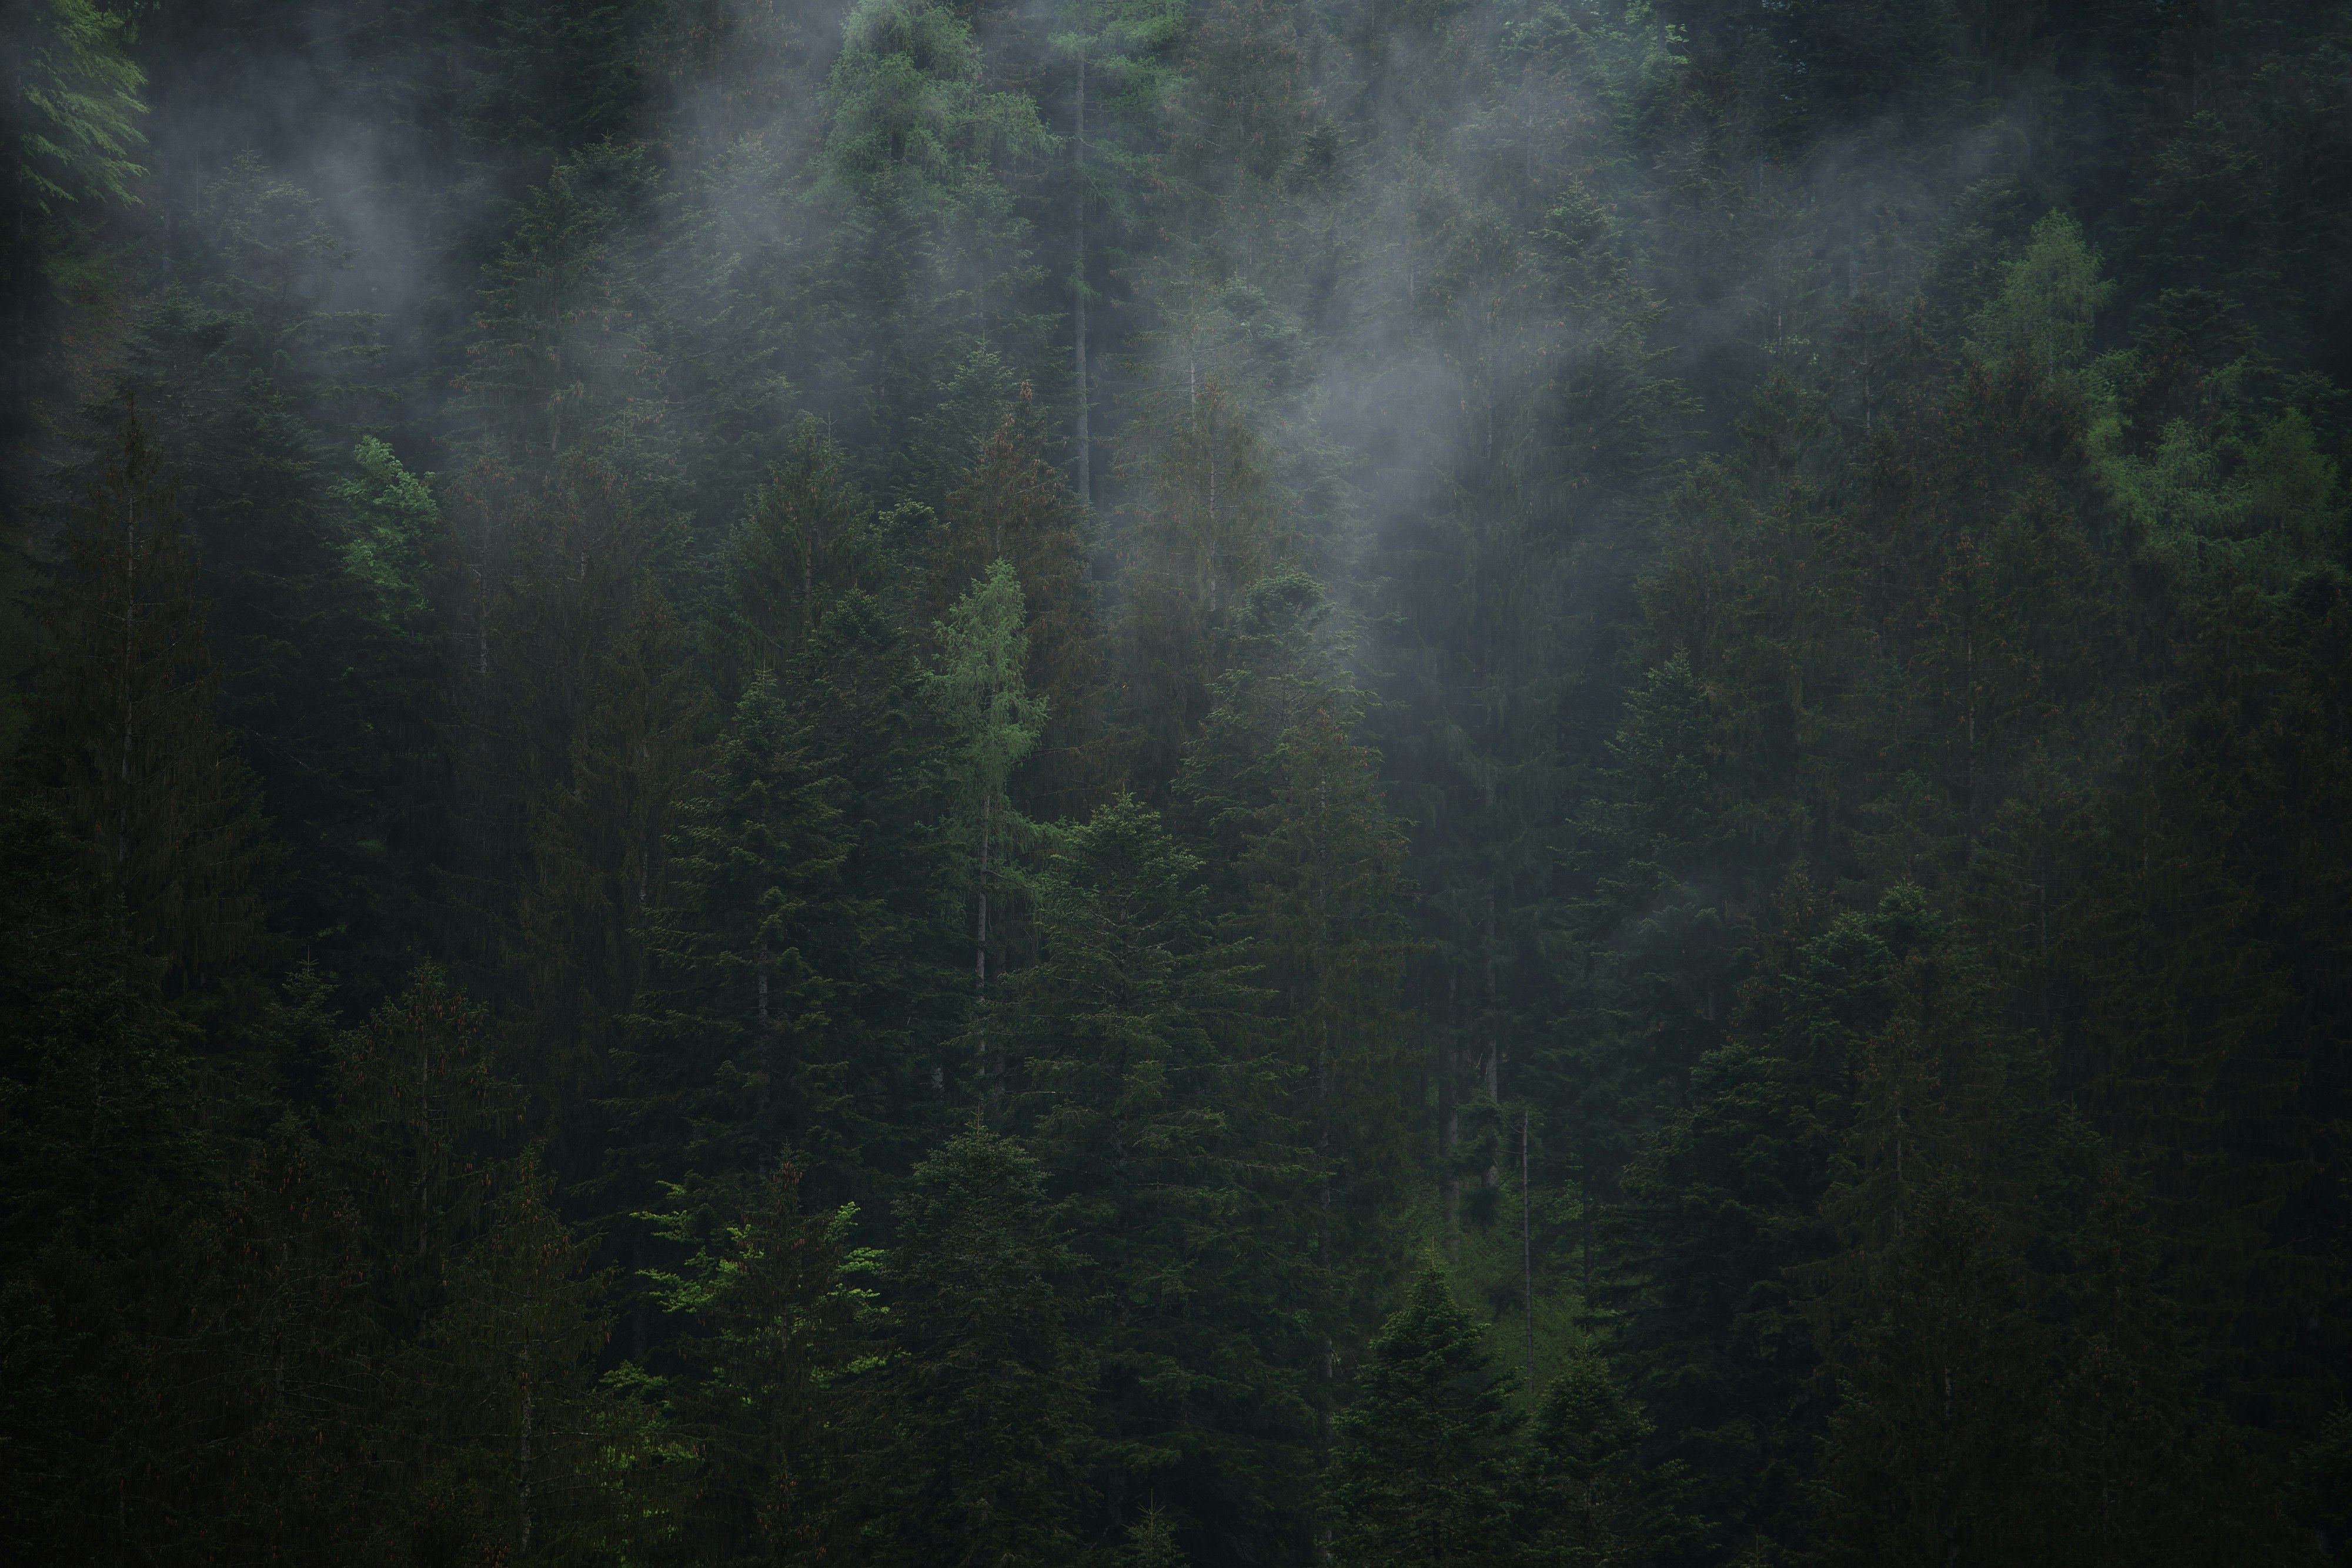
(985, 1389)
(417, 1134)
(1420, 1463)
(805, 540)
(126, 740)
(510, 1448)
(1587, 1497)
(770, 1302)
(1013, 507)
(1135, 1068)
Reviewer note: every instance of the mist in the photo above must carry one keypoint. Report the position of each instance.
(1177, 781)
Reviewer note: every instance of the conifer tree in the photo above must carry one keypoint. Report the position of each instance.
(986, 1385)
(725, 1046)
(805, 540)
(560, 365)
(126, 738)
(1587, 1497)
(1215, 523)
(1013, 507)
(1304, 858)
(512, 1450)
(602, 859)
(420, 1126)
(92, 1077)
(1419, 1469)
(75, 100)
(772, 1302)
(1135, 1068)
(1116, 70)
(925, 261)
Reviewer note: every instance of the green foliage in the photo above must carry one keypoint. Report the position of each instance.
(1075, 684)
(986, 1384)
(1170, 1148)
(1587, 1495)
(1420, 1459)
(75, 103)
(394, 530)
(807, 533)
(776, 1303)
(2047, 301)
(125, 735)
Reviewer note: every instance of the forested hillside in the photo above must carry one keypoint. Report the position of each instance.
(1245, 783)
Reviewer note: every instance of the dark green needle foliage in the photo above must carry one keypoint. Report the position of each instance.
(983, 1397)
(1589, 1495)
(772, 1298)
(1421, 1462)
(1238, 783)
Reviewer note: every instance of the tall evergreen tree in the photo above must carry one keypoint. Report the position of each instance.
(985, 1387)
(1134, 1068)
(1589, 1496)
(1418, 1472)
(126, 737)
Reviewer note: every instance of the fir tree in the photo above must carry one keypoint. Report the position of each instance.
(1134, 1069)
(774, 1301)
(1013, 507)
(126, 738)
(1587, 1495)
(1420, 1459)
(985, 1388)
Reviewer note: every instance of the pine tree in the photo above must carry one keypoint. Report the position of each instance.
(1418, 1470)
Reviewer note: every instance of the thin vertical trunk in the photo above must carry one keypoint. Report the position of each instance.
(1493, 1041)
(523, 1487)
(1449, 1115)
(130, 618)
(1527, 1252)
(1970, 645)
(980, 938)
(767, 1038)
(979, 931)
(423, 1174)
(1078, 299)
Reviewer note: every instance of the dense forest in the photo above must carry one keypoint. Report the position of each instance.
(1152, 782)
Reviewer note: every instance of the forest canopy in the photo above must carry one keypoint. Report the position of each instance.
(1125, 783)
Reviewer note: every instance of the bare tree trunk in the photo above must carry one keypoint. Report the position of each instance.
(1527, 1252)
(1078, 299)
